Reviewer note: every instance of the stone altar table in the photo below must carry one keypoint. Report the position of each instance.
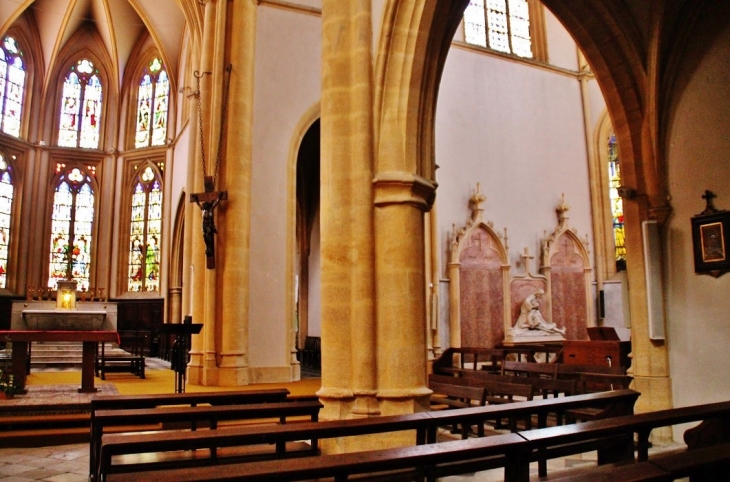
(64, 320)
(20, 340)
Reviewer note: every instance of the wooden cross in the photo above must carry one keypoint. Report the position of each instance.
(207, 202)
(708, 196)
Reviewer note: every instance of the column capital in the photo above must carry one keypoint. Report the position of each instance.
(396, 187)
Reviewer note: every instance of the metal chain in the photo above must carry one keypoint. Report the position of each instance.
(224, 108)
(200, 122)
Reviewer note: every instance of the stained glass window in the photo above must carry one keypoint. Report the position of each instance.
(617, 207)
(6, 205)
(79, 123)
(152, 101)
(12, 86)
(502, 25)
(145, 232)
(71, 227)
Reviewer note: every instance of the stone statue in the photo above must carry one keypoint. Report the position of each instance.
(531, 322)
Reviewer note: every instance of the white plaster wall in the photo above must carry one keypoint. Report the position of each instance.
(314, 312)
(519, 131)
(562, 51)
(698, 306)
(286, 84)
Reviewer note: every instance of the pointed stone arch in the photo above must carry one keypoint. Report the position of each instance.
(567, 269)
(479, 288)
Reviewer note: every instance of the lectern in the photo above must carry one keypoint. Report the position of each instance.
(181, 348)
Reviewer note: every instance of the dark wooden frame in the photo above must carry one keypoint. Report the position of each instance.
(717, 262)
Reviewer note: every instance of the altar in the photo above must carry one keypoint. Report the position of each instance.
(45, 315)
(20, 340)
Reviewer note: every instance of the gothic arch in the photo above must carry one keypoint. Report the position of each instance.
(567, 268)
(479, 308)
(601, 206)
(306, 121)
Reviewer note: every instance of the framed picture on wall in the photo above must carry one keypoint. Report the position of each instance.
(711, 242)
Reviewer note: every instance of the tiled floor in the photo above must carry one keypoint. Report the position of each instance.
(64, 463)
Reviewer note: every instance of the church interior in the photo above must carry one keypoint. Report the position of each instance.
(388, 178)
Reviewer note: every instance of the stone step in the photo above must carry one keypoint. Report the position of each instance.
(59, 354)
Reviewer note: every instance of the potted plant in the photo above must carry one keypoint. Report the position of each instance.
(7, 387)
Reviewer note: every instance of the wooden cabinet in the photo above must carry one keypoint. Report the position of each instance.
(596, 352)
(142, 315)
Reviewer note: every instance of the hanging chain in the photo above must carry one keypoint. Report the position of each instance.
(224, 109)
(200, 123)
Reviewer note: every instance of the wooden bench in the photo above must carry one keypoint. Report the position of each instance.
(424, 425)
(405, 463)
(540, 386)
(116, 402)
(558, 441)
(471, 455)
(527, 369)
(461, 358)
(132, 362)
(193, 417)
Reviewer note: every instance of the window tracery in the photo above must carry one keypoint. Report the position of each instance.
(80, 117)
(617, 209)
(72, 223)
(152, 106)
(12, 86)
(145, 233)
(502, 25)
(6, 208)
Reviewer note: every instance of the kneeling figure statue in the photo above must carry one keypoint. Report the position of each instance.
(531, 322)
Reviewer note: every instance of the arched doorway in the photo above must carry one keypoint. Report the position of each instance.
(308, 310)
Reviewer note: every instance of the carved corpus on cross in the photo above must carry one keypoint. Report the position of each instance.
(207, 202)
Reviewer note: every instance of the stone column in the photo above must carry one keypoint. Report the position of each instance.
(204, 365)
(400, 200)
(348, 331)
(234, 218)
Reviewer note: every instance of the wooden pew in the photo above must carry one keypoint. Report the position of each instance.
(116, 402)
(194, 416)
(463, 358)
(558, 441)
(527, 369)
(452, 458)
(540, 386)
(568, 371)
(495, 389)
(703, 464)
(405, 463)
(132, 362)
(423, 424)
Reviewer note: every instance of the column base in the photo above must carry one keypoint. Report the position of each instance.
(656, 394)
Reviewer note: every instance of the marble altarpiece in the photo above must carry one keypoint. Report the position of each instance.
(486, 301)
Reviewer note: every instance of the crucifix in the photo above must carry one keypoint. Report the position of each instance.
(207, 201)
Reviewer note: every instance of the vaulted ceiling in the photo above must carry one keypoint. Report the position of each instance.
(120, 23)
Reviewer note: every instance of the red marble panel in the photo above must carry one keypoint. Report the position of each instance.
(569, 297)
(481, 251)
(482, 302)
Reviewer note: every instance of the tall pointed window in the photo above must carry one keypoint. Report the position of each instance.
(80, 107)
(502, 25)
(617, 206)
(152, 102)
(71, 226)
(145, 231)
(12, 86)
(6, 205)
